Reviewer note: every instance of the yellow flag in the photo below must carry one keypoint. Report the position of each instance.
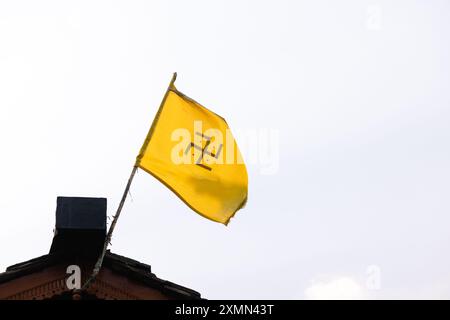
(191, 150)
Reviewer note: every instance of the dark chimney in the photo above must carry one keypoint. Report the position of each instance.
(80, 226)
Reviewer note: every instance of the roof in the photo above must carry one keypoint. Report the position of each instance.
(130, 268)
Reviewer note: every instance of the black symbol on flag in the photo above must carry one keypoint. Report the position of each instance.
(204, 150)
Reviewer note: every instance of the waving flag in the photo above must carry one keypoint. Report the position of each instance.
(191, 150)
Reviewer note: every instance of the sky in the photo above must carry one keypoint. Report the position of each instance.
(340, 108)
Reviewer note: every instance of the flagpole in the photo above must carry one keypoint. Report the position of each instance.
(99, 262)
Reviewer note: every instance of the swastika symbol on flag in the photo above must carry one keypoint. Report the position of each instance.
(204, 150)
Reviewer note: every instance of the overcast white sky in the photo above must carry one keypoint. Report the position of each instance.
(356, 94)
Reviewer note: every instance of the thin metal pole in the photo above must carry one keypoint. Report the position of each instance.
(99, 262)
